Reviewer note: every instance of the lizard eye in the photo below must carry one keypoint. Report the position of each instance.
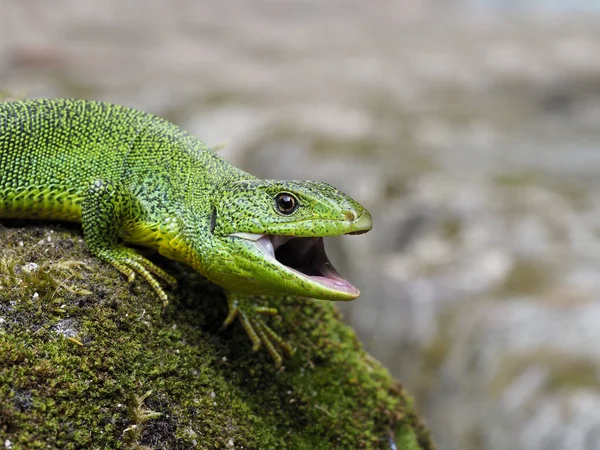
(286, 203)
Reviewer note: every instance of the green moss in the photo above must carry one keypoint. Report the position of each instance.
(90, 362)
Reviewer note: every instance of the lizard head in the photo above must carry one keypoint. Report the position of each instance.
(269, 235)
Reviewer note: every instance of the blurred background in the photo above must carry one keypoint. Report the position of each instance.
(469, 128)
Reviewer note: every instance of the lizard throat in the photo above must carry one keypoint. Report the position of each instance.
(303, 255)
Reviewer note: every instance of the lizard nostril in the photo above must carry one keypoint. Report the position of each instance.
(350, 215)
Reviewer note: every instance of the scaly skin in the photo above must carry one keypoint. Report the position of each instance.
(130, 177)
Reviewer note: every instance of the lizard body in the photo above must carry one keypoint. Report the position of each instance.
(132, 178)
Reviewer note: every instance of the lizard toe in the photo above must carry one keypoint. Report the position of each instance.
(259, 333)
(129, 263)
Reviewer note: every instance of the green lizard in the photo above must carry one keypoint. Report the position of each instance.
(130, 177)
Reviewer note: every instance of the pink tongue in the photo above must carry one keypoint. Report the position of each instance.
(337, 284)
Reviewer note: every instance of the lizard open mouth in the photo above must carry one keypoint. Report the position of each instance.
(305, 256)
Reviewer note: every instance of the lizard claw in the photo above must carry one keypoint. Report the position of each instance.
(129, 263)
(259, 333)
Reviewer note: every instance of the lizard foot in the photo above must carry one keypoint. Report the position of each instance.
(258, 331)
(129, 263)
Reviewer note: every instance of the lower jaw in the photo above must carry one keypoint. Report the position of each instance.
(302, 288)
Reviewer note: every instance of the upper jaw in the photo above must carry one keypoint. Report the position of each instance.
(304, 258)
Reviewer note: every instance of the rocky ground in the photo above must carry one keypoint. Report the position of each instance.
(472, 137)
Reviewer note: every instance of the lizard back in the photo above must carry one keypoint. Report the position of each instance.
(51, 150)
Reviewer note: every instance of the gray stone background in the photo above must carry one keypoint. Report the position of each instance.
(470, 129)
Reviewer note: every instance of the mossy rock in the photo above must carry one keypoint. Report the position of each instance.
(87, 361)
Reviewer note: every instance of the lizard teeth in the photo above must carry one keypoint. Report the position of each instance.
(266, 245)
(261, 240)
(268, 242)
